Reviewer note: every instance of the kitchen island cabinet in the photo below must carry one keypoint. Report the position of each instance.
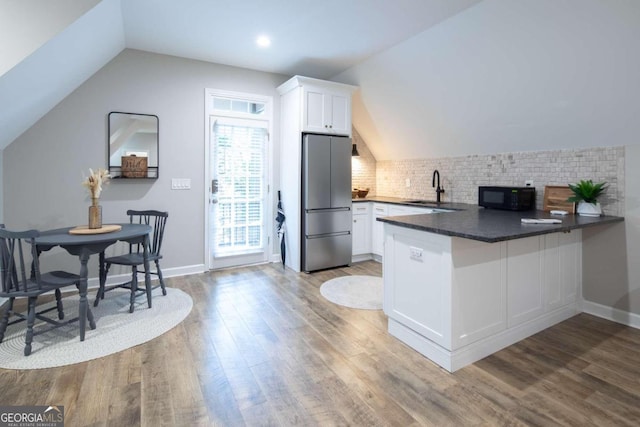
(459, 298)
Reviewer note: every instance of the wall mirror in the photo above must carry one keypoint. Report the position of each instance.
(133, 145)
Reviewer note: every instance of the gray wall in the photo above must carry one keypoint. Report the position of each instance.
(45, 165)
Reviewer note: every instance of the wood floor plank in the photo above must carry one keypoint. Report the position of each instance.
(263, 347)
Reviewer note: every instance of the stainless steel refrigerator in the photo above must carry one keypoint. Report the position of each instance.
(326, 201)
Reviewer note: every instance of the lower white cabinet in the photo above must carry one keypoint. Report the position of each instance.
(377, 228)
(458, 300)
(368, 232)
(361, 229)
(543, 273)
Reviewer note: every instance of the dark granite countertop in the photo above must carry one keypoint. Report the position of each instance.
(486, 225)
(407, 202)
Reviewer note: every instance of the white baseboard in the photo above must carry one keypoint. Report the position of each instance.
(466, 355)
(611, 313)
(94, 282)
(359, 258)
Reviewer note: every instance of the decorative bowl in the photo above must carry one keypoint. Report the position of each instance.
(354, 194)
(363, 193)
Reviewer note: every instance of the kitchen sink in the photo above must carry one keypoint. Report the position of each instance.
(431, 204)
(425, 202)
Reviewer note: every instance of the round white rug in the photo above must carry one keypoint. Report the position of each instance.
(116, 330)
(364, 292)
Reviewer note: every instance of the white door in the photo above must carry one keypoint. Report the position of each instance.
(237, 209)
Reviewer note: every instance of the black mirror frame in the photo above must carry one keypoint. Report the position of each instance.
(116, 171)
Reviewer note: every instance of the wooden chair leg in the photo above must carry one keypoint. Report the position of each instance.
(31, 318)
(134, 288)
(103, 282)
(5, 318)
(164, 290)
(148, 290)
(59, 304)
(92, 323)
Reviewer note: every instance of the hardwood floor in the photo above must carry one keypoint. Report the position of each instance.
(263, 347)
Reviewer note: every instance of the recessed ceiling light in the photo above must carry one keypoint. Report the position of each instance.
(263, 41)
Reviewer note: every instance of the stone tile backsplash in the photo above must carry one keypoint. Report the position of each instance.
(461, 176)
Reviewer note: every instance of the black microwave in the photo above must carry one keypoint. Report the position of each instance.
(509, 198)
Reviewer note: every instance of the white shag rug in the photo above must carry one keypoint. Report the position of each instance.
(364, 292)
(116, 329)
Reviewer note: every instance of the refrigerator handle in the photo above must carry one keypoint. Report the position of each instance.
(327, 210)
(322, 236)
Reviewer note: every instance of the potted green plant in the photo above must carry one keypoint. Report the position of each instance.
(586, 194)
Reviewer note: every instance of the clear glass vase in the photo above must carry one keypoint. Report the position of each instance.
(95, 214)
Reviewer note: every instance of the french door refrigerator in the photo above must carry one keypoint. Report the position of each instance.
(326, 201)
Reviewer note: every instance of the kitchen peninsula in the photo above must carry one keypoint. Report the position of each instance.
(461, 285)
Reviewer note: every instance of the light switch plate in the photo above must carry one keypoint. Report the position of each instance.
(180, 183)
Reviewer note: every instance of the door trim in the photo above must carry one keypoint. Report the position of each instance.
(209, 94)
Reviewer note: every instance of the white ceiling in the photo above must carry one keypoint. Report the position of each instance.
(309, 37)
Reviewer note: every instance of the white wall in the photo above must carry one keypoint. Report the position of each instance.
(1, 188)
(44, 167)
(41, 80)
(504, 76)
(27, 25)
(511, 76)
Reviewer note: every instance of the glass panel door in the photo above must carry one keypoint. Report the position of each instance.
(238, 189)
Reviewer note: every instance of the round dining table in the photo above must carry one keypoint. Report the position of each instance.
(85, 245)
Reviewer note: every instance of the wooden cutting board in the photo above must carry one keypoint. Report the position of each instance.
(84, 229)
(555, 198)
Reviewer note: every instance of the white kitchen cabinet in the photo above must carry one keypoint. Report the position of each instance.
(543, 273)
(322, 106)
(384, 209)
(326, 111)
(562, 268)
(377, 228)
(525, 264)
(361, 229)
(458, 300)
(295, 119)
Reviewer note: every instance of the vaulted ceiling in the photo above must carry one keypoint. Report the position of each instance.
(48, 51)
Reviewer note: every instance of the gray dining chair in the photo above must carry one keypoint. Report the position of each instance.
(18, 250)
(135, 258)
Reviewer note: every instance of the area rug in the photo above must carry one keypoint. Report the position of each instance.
(116, 330)
(364, 292)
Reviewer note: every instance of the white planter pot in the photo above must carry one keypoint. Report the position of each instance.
(589, 209)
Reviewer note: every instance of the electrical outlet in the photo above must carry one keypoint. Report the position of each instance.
(528, 183)
(415, 253)
(407, 182)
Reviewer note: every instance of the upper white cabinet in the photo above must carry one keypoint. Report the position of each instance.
(306, 105)
(326, 111)
(325, 107)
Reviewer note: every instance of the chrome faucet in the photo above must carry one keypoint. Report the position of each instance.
(439, 190)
